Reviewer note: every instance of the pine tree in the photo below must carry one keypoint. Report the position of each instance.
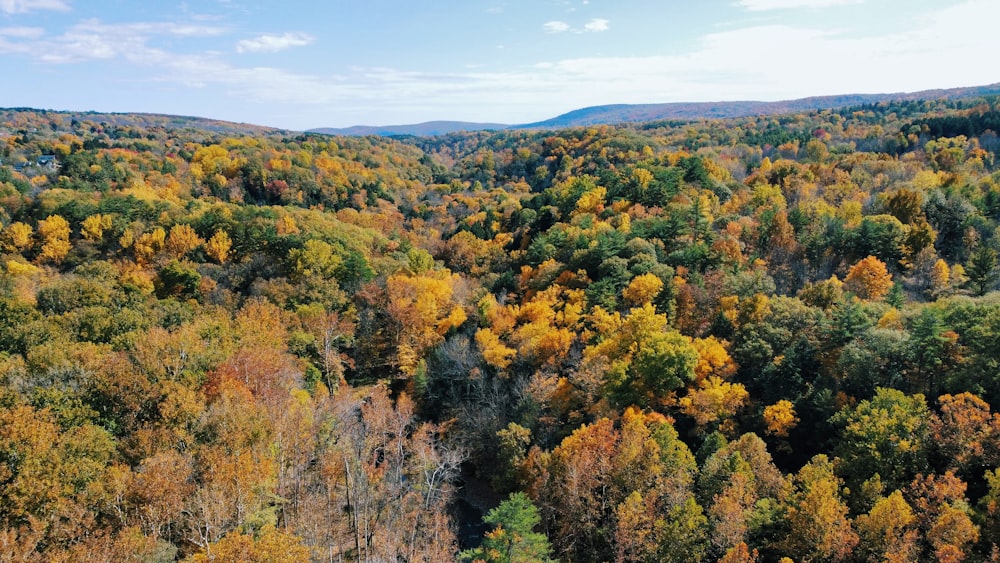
(513, 539)
(982, 269)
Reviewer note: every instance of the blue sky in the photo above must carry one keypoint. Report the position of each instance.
(298, 64)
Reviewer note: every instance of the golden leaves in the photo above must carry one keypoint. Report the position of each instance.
(869, 279)
(780, 418)
(218, 247)
(54, 231)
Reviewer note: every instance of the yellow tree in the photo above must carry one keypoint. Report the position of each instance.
(740, 553)
(54, 231)
(237, 471)
(425, 308)
(147, 245)
(713, 359)
(940, 275)
(734, 480)
(181, 240)
(286, 225)
(16, 237)
(644, 361)
(642, 289)
(713, 400)
(624, 491)
(159, 488)
(218, 247)
(395, 477)
(965, 431)
(93, 227)
(635, 533)
(51, 475)
(548, 322)
(269, 545)
(494, 351)
(869, 279)
(731, 508)
(819, 529)
(780, 418)
(28, 441)
(943, 516)
(591, 202)
(888, 532)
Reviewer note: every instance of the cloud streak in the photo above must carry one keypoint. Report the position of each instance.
(22, 32)
(595, 25)
(555, 27)
(273, 43)
(24, 6)
(92, 39)
(769, 5)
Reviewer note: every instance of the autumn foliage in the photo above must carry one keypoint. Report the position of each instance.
(609, 343)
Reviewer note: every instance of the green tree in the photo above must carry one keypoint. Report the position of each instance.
(645, 359)
(513, 539)
(982, 269)
(177, 279)
(513, 445)
(989, 509)
(881, 236)
(878, 357)
(887, 435)
(315, 258)
(928, 348)
(665, 363)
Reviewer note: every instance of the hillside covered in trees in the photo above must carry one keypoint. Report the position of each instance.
(736, 340)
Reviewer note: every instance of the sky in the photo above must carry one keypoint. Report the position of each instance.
(298, 64)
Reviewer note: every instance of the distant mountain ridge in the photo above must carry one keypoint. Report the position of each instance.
(426, 129)
(145, 121)
(595, 115)
(633, 113)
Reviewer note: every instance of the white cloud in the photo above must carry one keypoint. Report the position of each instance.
(934, 53)
(22, 32)
(556, 27)
(273, 43)
(189, 30)
(597, 24)
(765, 5)
(94, 40)
(22, 6)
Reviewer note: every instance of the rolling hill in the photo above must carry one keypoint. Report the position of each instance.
(427, 129)
(632, 113)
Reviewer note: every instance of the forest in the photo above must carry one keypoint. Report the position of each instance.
(773, 338)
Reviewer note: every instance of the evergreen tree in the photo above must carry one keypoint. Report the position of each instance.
(982, 269)
(513, 539)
